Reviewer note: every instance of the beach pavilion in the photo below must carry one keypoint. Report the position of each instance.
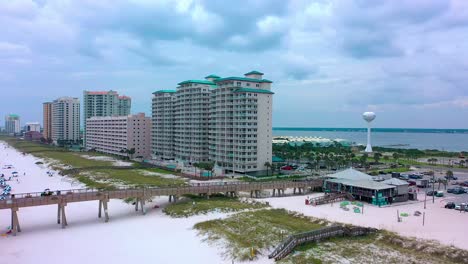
(361, 186)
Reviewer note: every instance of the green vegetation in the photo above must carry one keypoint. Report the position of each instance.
(274, 178)
(95, 173)
(193, 205)
(133, 177)
(260, 230)
(382, 247)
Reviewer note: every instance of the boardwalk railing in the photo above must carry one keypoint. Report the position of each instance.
(79, 195)
(330, 198)
(288, 245)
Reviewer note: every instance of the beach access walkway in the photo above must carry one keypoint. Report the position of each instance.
(63, 197)
(292, 241)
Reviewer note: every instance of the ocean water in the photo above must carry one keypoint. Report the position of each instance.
(441, 139)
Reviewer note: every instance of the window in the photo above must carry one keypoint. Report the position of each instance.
(257, 85)
(239, 83)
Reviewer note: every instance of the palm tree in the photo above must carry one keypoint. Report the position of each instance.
(377, 157)
(396, 156)
(462, 163)
(449, 175)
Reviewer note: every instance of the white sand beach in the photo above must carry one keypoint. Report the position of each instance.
(129, 237)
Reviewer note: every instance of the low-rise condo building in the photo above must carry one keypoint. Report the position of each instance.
(126, 136)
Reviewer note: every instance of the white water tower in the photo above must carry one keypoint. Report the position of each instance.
(369, 117)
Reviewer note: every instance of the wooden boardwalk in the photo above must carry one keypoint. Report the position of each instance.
(63, 197)
(288, 245)
(331, 198)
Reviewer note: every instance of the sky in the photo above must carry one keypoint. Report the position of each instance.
(329, 60)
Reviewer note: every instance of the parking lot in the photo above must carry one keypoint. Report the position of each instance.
(448, 197)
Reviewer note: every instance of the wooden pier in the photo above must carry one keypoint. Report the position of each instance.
(63, 197)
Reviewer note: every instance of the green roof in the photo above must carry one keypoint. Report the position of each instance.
(213, 76)
(165, 91)
(243, 79)
(197, 81)
(366, 184)
(251, 90)
(254, 72)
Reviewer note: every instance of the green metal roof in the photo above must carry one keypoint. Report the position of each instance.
(197, 81)
(243, 79)
(213, 76)
(254, 72)
(165, 91)
(252, 90)
(366, 184)
(13, 115)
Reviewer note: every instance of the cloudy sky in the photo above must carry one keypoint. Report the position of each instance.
(407, 60)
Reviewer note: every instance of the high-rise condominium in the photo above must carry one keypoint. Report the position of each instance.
(47, 120)
(65, 113)
(12, 124)
(104, 103)
(224, 120)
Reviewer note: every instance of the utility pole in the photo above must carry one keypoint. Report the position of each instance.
(425, 198)
(433, 185)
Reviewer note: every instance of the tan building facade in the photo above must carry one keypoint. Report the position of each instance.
(47, 120)
(118, 135)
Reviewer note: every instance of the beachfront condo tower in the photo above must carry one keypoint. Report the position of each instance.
(227, 121)
(104, 103)
(65, 112)
(12, 124)
(47, 120)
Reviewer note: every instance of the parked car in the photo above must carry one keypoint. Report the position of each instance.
(451, 190)
(439, 194)
(451, 178)
(450, 205)
(415, 176)
(458, 190)
(465, 184)
(431, 193)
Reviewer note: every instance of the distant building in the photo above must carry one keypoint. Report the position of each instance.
(118, 134)
(32, 136)
(32, 126)
(12, 124)
(104, 103)
(65, 119)
(47, 119)
(227, 121)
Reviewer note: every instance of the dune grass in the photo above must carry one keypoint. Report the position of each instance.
(133, 177)
(94, 173)
(193, 205)
(381, 247)
(260, 230)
